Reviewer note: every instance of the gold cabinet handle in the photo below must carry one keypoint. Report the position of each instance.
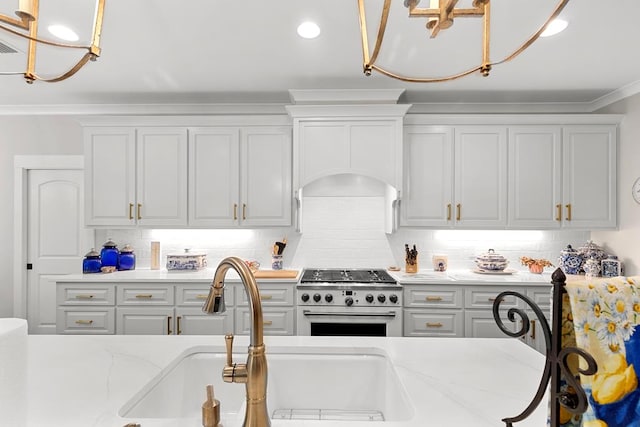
(493, 299)
(434, 325)
(169, 332)
(458, 212)
(201, 296)
(235, 211)
(568, 211)
(84, 322)
(178, 324)
(267, 322)
(430, 298)
(244, 211)
(533, 330)
(266, 297)
(84, 296)
(139, 210)
(144, 296)
(130, 210)
(449, 212)
(558, 212)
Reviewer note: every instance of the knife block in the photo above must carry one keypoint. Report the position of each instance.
(411, 267)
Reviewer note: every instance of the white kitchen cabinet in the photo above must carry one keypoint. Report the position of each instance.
(240, 176)
(589, 176)
(357, 146)
(433, 311)
(535, 177)
(455, 177)
(135, 176)
(85, 309)
(278, 310)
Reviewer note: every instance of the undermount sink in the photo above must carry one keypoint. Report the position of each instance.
(350, 384)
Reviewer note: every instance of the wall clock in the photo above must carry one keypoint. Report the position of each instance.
(635, 191)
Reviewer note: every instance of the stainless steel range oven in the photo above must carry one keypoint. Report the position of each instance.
(355, 302)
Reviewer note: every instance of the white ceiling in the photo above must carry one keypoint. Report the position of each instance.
(220, 51)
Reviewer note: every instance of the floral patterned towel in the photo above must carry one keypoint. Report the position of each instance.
(605, 313)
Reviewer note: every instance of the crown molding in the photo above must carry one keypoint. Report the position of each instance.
(615, 96)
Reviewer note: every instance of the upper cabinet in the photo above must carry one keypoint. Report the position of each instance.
(510, 176)
(240, 176)
(455, 177)
(135, 176)
(215, 176)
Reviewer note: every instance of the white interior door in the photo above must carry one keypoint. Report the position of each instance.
(56, 240)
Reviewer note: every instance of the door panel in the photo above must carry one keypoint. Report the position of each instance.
(57, 240)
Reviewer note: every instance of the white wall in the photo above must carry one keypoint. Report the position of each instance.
(21, 135)
(626, 240)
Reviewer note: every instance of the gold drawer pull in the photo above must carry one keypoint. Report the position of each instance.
(139, 209)
(568, 218)
(201, 296)
(169, 331)
(449, 212)
(178, 319)
(430, 298)
(265, 297)
(458, 212)
(130, 210)
(267, 322)
(434, 325)
(84, 296)
(493, 299)
(144, 296)
(559, 213)
(84, 322)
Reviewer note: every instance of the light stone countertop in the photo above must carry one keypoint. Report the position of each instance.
(69, 381)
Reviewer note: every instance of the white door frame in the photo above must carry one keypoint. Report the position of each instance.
(22, 165)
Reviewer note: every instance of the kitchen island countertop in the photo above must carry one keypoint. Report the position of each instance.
(53, 380)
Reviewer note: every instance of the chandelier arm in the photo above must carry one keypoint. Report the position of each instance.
(559, 7)
(425, 79)
(20, 23)
(384, 16)
(86, 58)
(363, 34)
(43, 41)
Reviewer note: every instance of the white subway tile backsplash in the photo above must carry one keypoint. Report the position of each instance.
(347, 232)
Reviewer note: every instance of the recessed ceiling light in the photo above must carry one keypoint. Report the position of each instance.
(554, 27)
(63, 33)
(308, 30)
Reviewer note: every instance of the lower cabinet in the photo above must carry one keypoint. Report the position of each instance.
(467, 311)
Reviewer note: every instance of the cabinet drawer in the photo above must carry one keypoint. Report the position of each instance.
(85, 295)
(542, 297)
(428, 296)
(145, 295)
(196, 296)
(433, 323)
(192, 321)
(277, 321)
(89, 320)
(270, 294)
(485, 296)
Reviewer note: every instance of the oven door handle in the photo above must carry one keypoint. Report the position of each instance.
(314, 313)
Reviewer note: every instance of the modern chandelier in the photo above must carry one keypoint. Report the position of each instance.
(440, 15)
(26, 27)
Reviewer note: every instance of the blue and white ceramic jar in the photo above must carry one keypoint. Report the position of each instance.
(570, 261)
(592, 267)
(611, 267)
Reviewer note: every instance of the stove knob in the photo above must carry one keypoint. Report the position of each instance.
(369, 298)
(381, 298)
(305, 297)
(393, 298)
(348, 301)
(317, 297)
(328, 297)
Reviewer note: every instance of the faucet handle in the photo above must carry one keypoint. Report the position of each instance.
(228, 340)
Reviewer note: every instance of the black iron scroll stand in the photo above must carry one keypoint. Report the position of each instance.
(556, 366)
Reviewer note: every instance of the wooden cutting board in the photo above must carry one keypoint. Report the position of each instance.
(275, 274)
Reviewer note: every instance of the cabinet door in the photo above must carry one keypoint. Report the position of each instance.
(589, 176)
(145, 321)
(109, 176)
(535, 177)
(277, 320)
(161, 177)
(428, 176)
(266, 195)
(214, 176)
(481, 324)
(480, 187)
(192, 321)
(433, 323)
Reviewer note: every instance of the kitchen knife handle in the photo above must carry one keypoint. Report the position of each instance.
(130, 210)
(568, 212)
(449, 212)
(559, 212)
(235, 211)
(458, 211)
(244, 211)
